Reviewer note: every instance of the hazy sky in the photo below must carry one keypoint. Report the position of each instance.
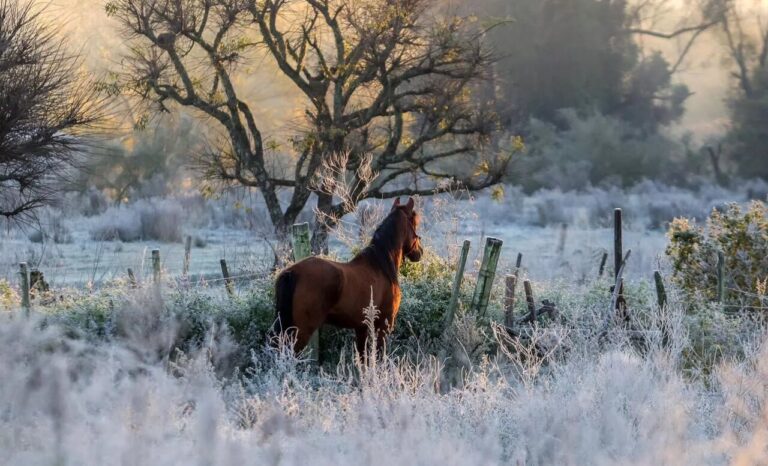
(88, 28)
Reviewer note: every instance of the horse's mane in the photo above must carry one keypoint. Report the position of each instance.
(385, 240)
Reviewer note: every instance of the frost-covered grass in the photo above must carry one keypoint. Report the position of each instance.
(73, 398)
(118, 375)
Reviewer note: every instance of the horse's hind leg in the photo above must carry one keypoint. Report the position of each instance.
(307, 322)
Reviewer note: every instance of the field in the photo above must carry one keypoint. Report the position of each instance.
(102, 373)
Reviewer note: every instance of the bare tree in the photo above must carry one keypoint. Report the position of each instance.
(387, 86)
(45, 109)
(743, 30)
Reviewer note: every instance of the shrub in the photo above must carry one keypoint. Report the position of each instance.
(154, 219)
(52, 228)
(742, 236)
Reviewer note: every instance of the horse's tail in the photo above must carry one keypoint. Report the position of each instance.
(284, 288)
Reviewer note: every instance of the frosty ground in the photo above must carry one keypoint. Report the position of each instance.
(94, 379)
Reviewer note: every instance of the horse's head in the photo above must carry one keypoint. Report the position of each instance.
(412, 241)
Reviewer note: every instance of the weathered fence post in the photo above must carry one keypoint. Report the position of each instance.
(509, 301)
(156, 266)
(187, 256)
(131, 278)
(720, 277)
(518, 263)
(602, 265)
(530, 301)
(301, 250)
(618, 251)
(456, 289)
(563, 236)
(227, 279)
(617, 298)
(24, 273)
(661, 293)
(301, 245)
(486, 275)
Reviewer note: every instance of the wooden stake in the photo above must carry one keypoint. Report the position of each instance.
(456, 289)
(24, 274)
(563, 236)
(602, 265)
(720, 277)
(228, 283)
(509, 300)
(301, 244)
(617, 242)
(529, 299)
(131, 278)
(187, 256)
(661, 293)
(486, 275)
(156, 266)
(617, 297)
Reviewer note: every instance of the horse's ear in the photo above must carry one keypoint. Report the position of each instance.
(396, 204)
(410, 204)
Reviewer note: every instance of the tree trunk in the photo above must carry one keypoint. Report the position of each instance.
(324, 221)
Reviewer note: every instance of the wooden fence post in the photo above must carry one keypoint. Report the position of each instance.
(228, 283)
(24, 274)
(661, 293)
(301, 245)
(602, 265)
(618, 251)
(131, 278)
(187, 256)
(486, 275)
(563, 236)
(617, 298)
(301, 250)
(509, 301)
(530, 301)
(156, 266)
(456, 289)
(720, 277)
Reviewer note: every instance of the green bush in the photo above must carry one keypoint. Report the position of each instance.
(742, 236)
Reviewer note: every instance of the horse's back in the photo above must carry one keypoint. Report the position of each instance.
(318, 280)
(337, 291)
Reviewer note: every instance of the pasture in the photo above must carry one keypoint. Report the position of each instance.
(101, 371)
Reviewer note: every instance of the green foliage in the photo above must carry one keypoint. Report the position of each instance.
(426, 287)
(742, 236)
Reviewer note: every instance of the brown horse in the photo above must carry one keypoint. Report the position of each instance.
(319, 291)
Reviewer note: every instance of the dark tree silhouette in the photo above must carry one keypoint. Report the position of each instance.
(45, 109)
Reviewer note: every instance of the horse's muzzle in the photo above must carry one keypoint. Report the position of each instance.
(415, 254)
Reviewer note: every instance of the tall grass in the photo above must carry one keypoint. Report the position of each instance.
(129, 392)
